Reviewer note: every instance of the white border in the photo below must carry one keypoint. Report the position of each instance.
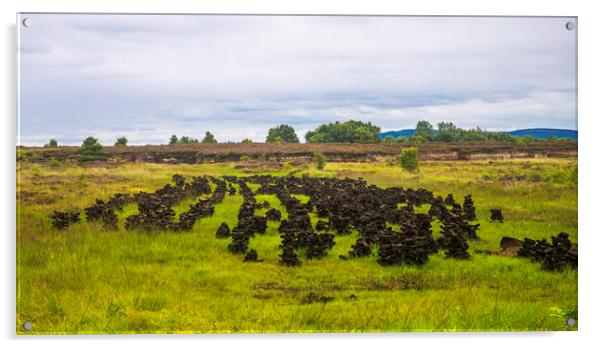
(590, 25)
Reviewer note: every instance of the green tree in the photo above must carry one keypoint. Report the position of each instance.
(344, 132)
(209, 139)
(246, 141)
(122, 141)
(173, 140)
(409, 159)
(284, 132)
(400, 139)
(447, 132)
(474, 135)
(319, 160)
(52, 143)
(91, 150)
(424, 129)
(365, 135)
(188, 140)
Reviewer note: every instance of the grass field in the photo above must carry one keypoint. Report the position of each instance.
(86, 279)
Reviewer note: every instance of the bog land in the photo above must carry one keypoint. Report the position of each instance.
(114, 275)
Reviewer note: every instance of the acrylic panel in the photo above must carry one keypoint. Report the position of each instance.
(190, 173)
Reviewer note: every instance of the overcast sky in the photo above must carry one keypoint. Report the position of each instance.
(147, 77)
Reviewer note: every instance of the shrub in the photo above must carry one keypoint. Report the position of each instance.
(409, 159)
(173, 140)
(55, 163)
(244, 158)
(91, 150)
(319, 160)
(389, 139)
(246, 141)
(418, 139)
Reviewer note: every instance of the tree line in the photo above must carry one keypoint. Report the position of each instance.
(355, 132)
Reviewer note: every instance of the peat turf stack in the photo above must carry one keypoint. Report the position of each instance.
(454, 240)
(101, 211)
(251, 256)
(223, 231)
(496, 215)
(62, 220)
(273, 214)
(553, 257)
(245, 229)
(469, 209)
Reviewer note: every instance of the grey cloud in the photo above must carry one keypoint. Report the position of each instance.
(152, 76)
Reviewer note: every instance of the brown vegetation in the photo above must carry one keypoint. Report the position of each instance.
(227, 152)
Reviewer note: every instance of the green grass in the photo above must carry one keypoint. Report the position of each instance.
(86, 279)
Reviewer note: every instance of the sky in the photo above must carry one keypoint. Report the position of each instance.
(147, 77)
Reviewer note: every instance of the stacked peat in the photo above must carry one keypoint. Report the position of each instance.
(61, 220)
(242, 232)
(554, 257)
(273, 215)
(102, 211)
(454, 239)
(496, 215)
(119, 200)
(223, 231)
(469, 209)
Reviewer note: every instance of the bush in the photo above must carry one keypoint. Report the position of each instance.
(244, 158)
(54, 163)
(91, 150)
(561, 176)
(409, 159)
(246, 141)
(319, 160)
(389, 140)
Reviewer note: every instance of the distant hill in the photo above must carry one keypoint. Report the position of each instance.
(538, 133)
(545, 133)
